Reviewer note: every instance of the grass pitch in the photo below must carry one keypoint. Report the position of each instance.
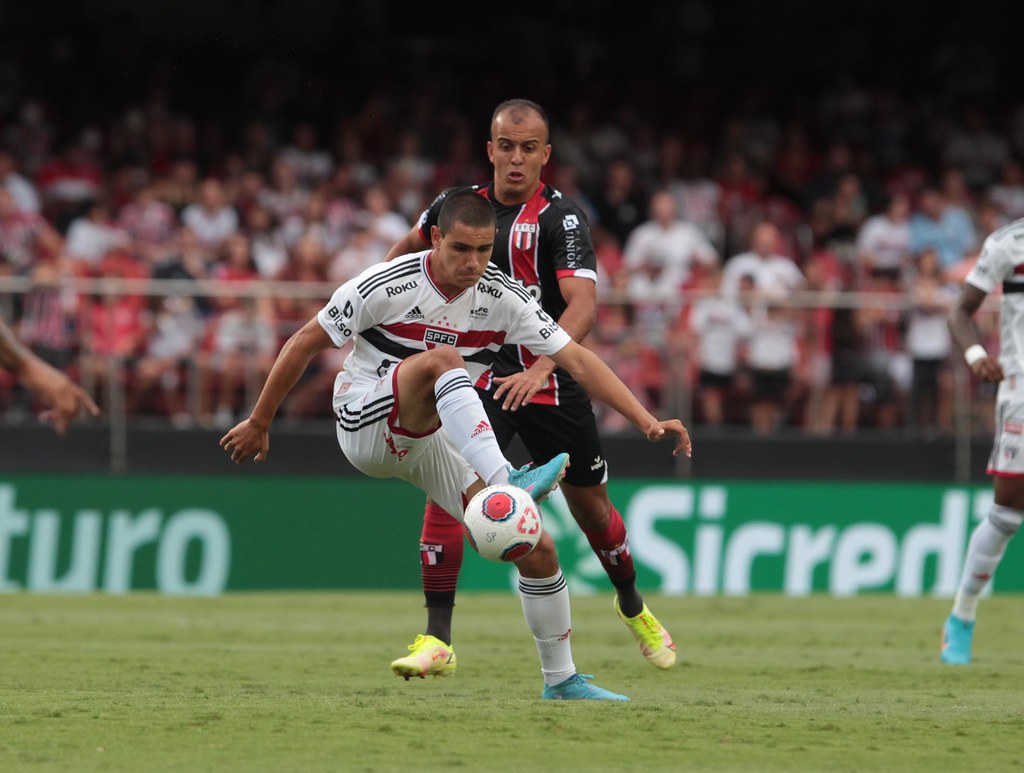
(300, 682)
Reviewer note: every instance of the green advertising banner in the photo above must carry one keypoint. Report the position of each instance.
(208, 535)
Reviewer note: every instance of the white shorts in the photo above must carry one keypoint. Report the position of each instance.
(1007, 458)
(371, 439)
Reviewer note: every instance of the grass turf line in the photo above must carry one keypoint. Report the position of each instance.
(282, 682)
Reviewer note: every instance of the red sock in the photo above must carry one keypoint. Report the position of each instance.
(612, 547)
(441, 545)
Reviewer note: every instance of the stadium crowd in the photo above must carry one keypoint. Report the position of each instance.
(784, 271)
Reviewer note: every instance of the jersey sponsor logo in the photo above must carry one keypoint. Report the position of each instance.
(414, 313)
(399, 289)
(1012, 427)
(433, 337)
(550, 326)
(482, 427)
(494, 292)
(339, 318)
(570, 222)
(394, 450)
(598, 463)
(479, 313)
(524, 235)
(572, 251)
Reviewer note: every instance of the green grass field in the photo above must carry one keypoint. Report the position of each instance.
(296, 682)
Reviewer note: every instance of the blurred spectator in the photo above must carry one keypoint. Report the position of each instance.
(174, 333)
(739, 200)
(886, 366)
(773, 357)
(717, 325)
(385, 225)
(775, 276)
(307, 263)
(883, 242)
(242, 346)
(22, 190)
(180, 187)
(25, 237)
(149, 222)
(977, 149)
(361, 252)
(212, 219)
(849, 210)
(313, 164)
(236, 262)
(619, 202)
(662, 254)
(948, 231)
(684, 172)
(1008, 191)
(285, 197)
(269, 247)
(94, 234)
(68, 183)
(929, 344)
(47, 323)
(462, 163)
(113, 332)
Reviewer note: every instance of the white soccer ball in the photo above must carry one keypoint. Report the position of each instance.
(503, 523)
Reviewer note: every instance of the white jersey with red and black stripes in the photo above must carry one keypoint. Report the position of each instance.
(1001, 266)
(537, 243)
(394, 310)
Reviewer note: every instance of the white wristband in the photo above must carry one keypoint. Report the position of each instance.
(975, 354)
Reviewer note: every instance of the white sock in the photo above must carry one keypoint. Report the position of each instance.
(547, 613)
(464, 419)
(984, 552)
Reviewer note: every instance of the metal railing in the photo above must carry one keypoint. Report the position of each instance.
(677, 399)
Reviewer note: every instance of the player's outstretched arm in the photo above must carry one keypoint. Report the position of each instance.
(251, 437)
(65, 400)
(601, 382)
(961, 326)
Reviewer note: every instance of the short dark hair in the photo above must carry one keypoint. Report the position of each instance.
(522, 104)
(466, 207)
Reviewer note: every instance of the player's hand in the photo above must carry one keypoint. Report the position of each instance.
(518, 389)
(246, 439)
(988, 369)
(64, 398)
(663, 429)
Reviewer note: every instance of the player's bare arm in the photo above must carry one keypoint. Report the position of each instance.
(412, 242)
(251, 437)
(601, 382)
(65, 400)
(961, 326)
(577, 320)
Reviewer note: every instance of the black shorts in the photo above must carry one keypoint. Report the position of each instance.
(547, 430)
(710, 380)
(770, 384)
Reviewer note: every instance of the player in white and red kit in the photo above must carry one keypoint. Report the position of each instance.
(1000, 266)
(544, 244)
(423, 327)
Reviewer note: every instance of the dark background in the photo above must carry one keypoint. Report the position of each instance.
(683, 64)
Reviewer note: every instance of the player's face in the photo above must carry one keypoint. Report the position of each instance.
(519, 149)
(460, 256)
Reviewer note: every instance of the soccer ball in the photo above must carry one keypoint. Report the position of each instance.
(503, 523)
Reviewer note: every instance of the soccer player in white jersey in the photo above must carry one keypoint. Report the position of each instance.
(425, 326)
(1001, 263)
